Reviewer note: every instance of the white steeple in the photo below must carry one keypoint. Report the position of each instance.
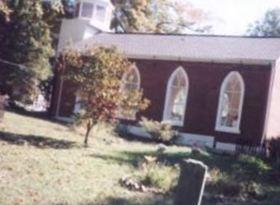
(92, 16)
(97, 12)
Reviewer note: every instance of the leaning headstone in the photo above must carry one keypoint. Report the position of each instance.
(191, 183)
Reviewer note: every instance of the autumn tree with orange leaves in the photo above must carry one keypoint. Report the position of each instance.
(97, 75)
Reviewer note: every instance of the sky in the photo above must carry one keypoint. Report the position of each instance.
(232, 17)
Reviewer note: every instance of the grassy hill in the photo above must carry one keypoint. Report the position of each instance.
(42, 162)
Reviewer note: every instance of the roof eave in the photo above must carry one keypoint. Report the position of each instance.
(244, 61)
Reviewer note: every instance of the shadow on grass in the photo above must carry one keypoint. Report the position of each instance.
(36, 141)
(158, 200)
(163, 200)
(238, 168)
(45, 116)
(132, 158)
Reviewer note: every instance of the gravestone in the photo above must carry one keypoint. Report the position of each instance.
(2, 106)
(191, 183)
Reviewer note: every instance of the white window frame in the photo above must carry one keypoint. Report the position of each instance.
(81, 8)
(93, 17)
(168, 95)
(218, 127)
(95, 13)
(134, 67)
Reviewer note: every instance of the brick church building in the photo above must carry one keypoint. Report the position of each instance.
(214, 89)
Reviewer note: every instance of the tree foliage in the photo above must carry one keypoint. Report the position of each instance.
(157, 16)
(97, 75)
(4, 10)
(268, 26)
(29, 32)
(27, 42)
(54, 12)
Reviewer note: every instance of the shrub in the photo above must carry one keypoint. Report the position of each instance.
(249, 168)
(228, 185)
(274, 149)
(159, 176)
(160, 132)
(252, 189)
(214, 174)
(253, 164)
(225, 185)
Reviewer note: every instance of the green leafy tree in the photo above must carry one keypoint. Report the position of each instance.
(26, 41)
(157, 16)
(29, 32)
(54, 11)
(268, 26)
(97, 75)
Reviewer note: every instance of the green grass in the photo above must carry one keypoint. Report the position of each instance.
(44, 163)
(32, 172)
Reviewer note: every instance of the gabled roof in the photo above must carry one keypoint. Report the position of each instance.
(190, 47)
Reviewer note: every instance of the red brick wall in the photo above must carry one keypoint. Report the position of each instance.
(205, 80)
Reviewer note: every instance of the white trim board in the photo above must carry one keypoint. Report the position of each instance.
(64, 119)
(196, 139)
(184, 139)
(237, 61)
(228, 147)
(138, 131)
(274, 67)
(202, 60)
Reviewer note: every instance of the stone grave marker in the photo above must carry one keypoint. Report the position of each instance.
(2, 106)
(191, 183)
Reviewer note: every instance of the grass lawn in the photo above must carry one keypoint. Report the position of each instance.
(43, 162)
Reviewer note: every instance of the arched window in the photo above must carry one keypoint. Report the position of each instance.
(230, 103)
(130, 84)
(176, 98)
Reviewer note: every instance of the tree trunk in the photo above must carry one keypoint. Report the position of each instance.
(89, 127)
